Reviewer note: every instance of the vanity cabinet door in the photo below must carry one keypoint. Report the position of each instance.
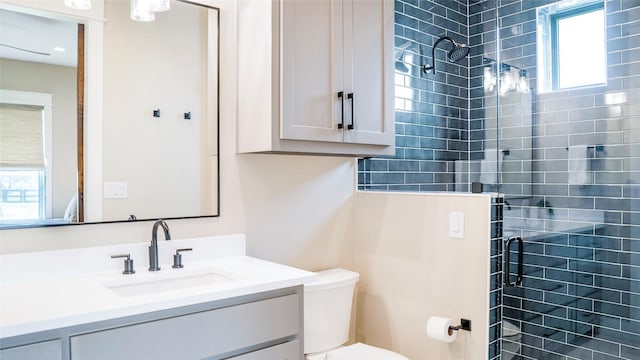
(48, 350)
(287, 351)
(207, 334)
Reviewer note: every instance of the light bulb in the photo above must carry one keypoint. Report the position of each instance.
(523, 84)
(141, 10)
(489, 79)
(160, 5)
(505, 83)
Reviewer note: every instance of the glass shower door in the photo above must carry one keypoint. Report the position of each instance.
(574, 199)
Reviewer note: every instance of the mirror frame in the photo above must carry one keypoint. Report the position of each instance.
(90, 100)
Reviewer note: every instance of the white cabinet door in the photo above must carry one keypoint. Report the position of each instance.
(48, 350)
(337, 78)
(369, 79)
(312, 70)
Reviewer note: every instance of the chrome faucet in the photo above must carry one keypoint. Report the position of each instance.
(153, 249)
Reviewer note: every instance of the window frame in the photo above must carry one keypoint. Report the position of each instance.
(554, 19)
(46, 102)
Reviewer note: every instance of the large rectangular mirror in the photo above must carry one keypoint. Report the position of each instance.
(127, 131)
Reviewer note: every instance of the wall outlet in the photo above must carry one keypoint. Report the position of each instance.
(456, 225)
(115, 190)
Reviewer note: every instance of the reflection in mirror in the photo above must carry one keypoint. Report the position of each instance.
(161, 164)
(502, 157)
(146, 166)
(508, 131)
(38, 122)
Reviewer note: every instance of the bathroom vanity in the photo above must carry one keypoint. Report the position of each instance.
(221, 305)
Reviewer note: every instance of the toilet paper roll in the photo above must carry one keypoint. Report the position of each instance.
(438, 329)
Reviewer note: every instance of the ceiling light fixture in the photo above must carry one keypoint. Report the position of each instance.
(141, 10)
(160, 5)
(59, 49)
(508, 78)
(78, 4)
(144, 10)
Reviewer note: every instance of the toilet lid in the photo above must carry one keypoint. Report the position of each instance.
(358, 352)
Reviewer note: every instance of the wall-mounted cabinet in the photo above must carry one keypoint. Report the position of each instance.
(316, 77)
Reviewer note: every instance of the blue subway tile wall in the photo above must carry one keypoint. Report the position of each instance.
(581, 293)
(431, 109)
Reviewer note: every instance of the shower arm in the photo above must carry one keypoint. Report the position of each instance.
(426, 68)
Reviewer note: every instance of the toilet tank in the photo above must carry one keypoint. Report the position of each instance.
(327, 310)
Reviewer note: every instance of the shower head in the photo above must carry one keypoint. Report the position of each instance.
(400, 52)
(457, 53)
(401, 66)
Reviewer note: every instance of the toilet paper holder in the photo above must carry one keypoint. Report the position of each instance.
(465, 324)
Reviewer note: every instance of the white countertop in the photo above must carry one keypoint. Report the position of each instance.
(77, 292)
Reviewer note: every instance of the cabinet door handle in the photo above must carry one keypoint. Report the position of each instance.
(341, 97)
(353, 113)
(507, 262)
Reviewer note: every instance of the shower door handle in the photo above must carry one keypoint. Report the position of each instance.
(507, 262)
(341, 97)
(353, 112)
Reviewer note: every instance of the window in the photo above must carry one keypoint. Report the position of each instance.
(571, 45)
(21, 194)
(25, 156)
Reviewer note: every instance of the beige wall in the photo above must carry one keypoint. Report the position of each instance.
(61, 82)
(411, 269)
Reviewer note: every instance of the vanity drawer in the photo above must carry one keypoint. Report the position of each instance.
(287, 351)
(48, 350)
(199, 335)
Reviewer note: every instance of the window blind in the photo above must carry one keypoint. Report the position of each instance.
(21, 137)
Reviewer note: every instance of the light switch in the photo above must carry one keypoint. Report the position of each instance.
(115, 190)
(456, 225)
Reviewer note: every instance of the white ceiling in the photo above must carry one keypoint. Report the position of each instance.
(38, 34)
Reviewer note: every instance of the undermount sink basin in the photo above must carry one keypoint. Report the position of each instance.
(172, 283)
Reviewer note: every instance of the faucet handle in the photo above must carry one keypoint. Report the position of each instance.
(177, 258)
(128, 263)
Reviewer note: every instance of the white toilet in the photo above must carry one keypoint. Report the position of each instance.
(327, 313)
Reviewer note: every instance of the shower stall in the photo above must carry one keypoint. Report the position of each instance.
(560, 92)
(544, 112)
(572, 191)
